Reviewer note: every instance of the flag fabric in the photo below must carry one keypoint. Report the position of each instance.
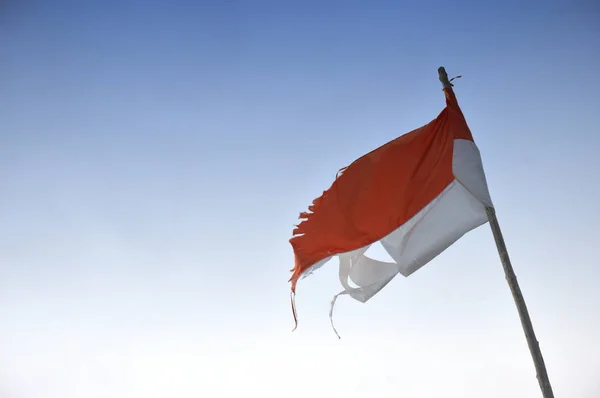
(416, 195)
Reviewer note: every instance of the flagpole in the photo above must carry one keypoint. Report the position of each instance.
(511, 278)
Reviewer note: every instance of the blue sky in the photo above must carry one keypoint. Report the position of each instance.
(154, 158)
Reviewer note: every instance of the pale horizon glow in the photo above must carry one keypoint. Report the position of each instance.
(154, 159)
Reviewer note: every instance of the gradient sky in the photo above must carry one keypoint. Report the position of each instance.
(154, 158)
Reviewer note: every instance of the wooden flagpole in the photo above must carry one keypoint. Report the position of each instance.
(511, 278)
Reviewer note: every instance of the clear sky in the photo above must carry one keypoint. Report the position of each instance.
(154, 158)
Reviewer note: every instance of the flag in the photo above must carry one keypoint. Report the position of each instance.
(416, 195)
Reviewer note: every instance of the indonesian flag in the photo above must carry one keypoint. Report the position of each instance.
(416, 195)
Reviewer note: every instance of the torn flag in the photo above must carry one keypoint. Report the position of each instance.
(416, 195)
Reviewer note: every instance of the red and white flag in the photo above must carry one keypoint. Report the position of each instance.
(416, 195)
